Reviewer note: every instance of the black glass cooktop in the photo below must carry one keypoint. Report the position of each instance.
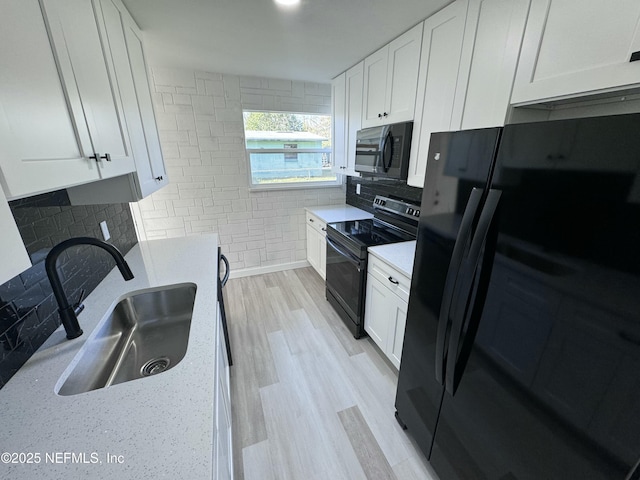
(370, 232)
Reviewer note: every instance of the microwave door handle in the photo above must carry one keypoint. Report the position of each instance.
(387, 146)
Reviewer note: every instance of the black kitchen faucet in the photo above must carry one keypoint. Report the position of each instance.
(68, 313)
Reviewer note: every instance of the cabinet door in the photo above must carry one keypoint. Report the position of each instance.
(355, 84)
(313, 247)
(375, 87)
(439, 62)
(376, 313)
(322, 266)
(402, 76)
(338, 125)
(224, 460)
(14, 255)
(574, 47)
(396, 335)
(88, 76)
(125, 40)
(41, 148)
(492, 39)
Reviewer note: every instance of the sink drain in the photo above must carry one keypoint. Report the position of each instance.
(155, 365)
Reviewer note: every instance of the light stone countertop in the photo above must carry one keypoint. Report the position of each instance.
(339, 213)
(399, 255)
(161, 426)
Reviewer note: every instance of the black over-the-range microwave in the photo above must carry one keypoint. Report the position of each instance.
(384, 151)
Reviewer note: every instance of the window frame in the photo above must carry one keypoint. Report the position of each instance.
(338, 182)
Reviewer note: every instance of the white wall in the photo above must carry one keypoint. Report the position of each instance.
(201, 131)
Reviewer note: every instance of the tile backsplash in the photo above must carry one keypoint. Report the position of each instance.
(28, 311)
(370, 187)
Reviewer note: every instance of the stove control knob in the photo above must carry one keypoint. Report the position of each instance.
(416, 213)
(383, 202)
(410, 211)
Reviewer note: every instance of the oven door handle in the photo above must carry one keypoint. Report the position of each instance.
(350, 257)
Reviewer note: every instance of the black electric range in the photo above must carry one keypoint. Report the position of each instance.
(394, 221)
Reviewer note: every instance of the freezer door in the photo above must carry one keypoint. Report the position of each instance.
(457, 174)
(549, 387)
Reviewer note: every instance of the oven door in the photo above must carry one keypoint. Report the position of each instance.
(346, 275)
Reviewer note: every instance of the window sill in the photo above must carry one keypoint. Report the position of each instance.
(305, 186)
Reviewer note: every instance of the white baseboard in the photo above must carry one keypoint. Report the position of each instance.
(247, 272)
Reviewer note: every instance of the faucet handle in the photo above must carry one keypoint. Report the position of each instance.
(79, 306)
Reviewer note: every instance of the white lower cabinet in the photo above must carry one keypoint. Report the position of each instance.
(316, 244)
(387, 298)
(222, 442)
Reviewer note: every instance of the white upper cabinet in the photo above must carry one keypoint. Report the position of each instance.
(150, 168)
(338, 123)
(492, 40)
(439, 64)
(346, 95)
(41, 148)
(577, 47)
(355, 83)
(124, 40)
(390, 80)
(15, 259)
(75, 103)
(89, 80)
(467, 68)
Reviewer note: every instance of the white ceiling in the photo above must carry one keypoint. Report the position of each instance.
(315, 41)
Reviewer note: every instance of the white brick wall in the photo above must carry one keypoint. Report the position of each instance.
(202, 136)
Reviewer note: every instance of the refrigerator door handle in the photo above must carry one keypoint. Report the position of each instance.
(486, 236)
(227, 271)
(462, 241)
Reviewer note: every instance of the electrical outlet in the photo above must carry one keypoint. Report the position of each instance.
(105, 230)
(357, 189)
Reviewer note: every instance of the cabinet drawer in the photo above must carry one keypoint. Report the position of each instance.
(396, 281)
(317, 224)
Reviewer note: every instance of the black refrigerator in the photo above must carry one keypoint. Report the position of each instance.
(521, 355)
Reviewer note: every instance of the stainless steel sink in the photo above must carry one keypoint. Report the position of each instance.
(145, 333)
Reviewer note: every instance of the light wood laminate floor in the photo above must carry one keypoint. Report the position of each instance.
(308, 400)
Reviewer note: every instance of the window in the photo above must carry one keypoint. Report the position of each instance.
(288, 149)
(288, 156)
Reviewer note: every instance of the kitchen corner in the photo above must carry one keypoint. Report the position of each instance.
(399, 255)
(158, 426)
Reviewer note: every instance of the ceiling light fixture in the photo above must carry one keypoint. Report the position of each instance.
(287, 3)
